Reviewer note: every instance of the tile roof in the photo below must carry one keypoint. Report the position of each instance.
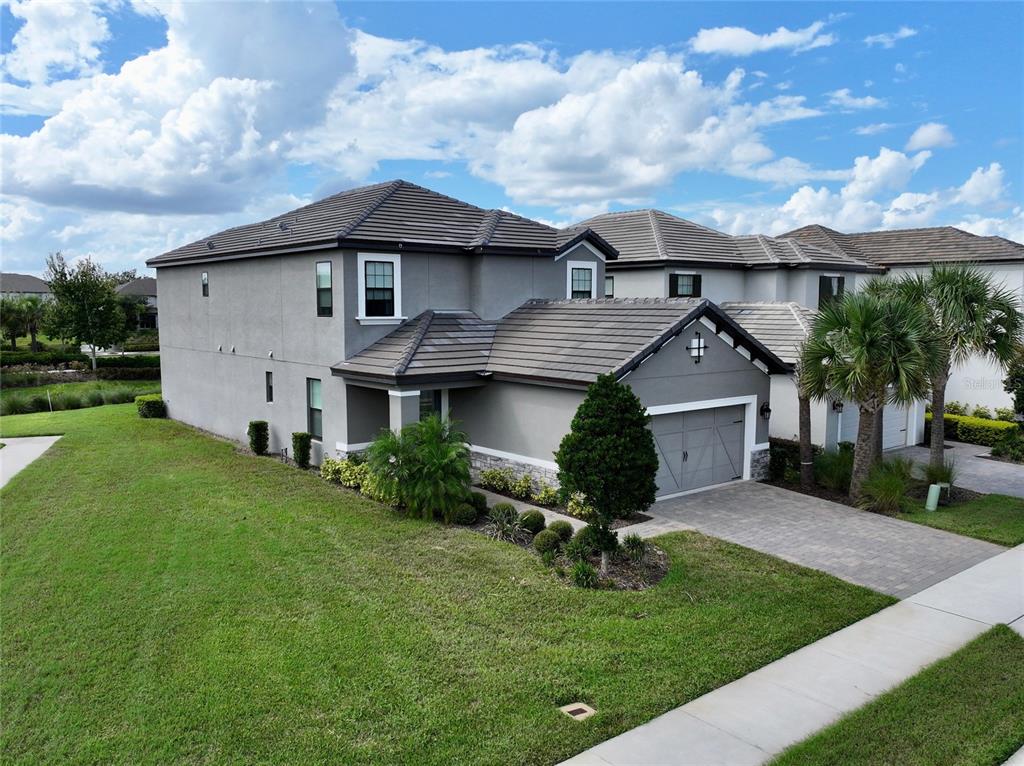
(22, 283)
(780, 326)
(899, 247)
(396, 212)
(561, 341)
(653, 235)
(138, 286)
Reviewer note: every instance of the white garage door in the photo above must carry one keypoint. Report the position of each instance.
(698, 449)
(894, 425)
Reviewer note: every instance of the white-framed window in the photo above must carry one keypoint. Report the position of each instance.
(609, 287)
(684, 285)
(830, 288)
(580, 279)
(380, 288)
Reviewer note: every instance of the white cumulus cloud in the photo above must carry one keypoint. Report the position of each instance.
(739, 41)
(844, 99)
(889, 39)
(985, 186)
(931, 135)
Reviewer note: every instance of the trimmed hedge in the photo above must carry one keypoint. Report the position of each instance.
(963, 428)
(302, 443)
(151, 406)
(149, 360)
(11, 358)
(259, 436)
(784, 459)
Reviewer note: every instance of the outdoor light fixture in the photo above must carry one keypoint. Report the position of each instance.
(837, 406)
(697, 347)
(766, 411)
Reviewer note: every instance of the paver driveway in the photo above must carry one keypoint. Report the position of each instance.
(973, 469)
(885, 554)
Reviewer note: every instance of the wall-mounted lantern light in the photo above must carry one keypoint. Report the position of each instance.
(837, 406)
(766, 411)
(697, 347)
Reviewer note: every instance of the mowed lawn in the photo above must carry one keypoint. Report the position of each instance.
(83, 387)
(965, 710)
(996, 518)
(165, 598)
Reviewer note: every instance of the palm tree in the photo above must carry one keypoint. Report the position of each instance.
(870, 350)
(34, 313)
(968, 314)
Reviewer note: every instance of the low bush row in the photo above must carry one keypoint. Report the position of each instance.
(22, 403)
(963, 428)
(979, 411)
(151, 406)
(784, 460)
(25, 376)
(504, 482)
(1010, 446)
(58, 358)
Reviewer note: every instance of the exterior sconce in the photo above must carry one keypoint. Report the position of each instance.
(837, 406)
(697, 347)
(220, 347)
(766, 411)
(271, 354)
(232, 349)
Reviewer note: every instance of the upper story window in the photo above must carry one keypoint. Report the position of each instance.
(581, 278)
(315, 409)
(684, 285)
(206, 285)
(830, 288)
(324, 294)
(380, 288)
(269, 383)
(609, 287)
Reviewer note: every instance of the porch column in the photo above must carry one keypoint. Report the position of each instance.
(403, 407)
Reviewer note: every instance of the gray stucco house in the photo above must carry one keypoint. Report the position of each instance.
(144, 290)
(23, 285)
(365, 310)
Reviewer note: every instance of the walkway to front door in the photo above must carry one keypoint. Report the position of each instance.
(885, 554)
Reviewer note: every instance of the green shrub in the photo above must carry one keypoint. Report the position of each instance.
(375, 489)
(562, 528)
(94, 398)
(67, 400)
(503, 524)
(941, 474)
(1010, 446)
(48, 358)
(834, 470)
(955, 408)
(38, 402)
(635, 547)
(971, 430)
(479, 501)
(302, 443)
(1006, 413)
(577, 550)
(14, 404)
(546, 495)
(498, 480)
(584, 575)
(426, 466)
(981, 412)
(597, 539)
(128, 373)
(259, 436)
(533, 521)
(546, 540)
(126, 361)
(784, 460)
(465, 514)
(150, 406)
(578, 506)
(353, 474)
(330, 469)
(549, 558)
(522, 487)
(885, 489)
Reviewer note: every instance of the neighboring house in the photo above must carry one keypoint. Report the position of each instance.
(769, 285)
(143, 288)
(914, 250)
(373, 307)
(23, 285)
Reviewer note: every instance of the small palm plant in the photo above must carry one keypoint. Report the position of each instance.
(426, 467)
(870, 350)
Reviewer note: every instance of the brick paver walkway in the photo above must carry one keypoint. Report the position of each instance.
(973, 469)
(882, 553)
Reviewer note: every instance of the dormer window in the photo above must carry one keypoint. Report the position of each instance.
(830, 288)
(380, 288)
(581, 278)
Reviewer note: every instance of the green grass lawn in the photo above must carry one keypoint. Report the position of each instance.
(996, 518)
(966, 710)
(144, 386)
(165, 598)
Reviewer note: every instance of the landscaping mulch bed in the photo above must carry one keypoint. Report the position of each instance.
(636, 518)
(917, 491)
(815, 490)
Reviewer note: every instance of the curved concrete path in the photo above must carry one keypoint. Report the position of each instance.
(18, 453)
(756, 717)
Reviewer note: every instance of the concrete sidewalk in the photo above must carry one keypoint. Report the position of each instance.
(18, 453)
(756, 717)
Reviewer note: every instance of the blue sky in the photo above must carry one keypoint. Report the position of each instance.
(132, 127)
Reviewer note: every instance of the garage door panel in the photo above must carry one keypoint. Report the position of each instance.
(667, 424)
(699, 448)
(894, 425)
